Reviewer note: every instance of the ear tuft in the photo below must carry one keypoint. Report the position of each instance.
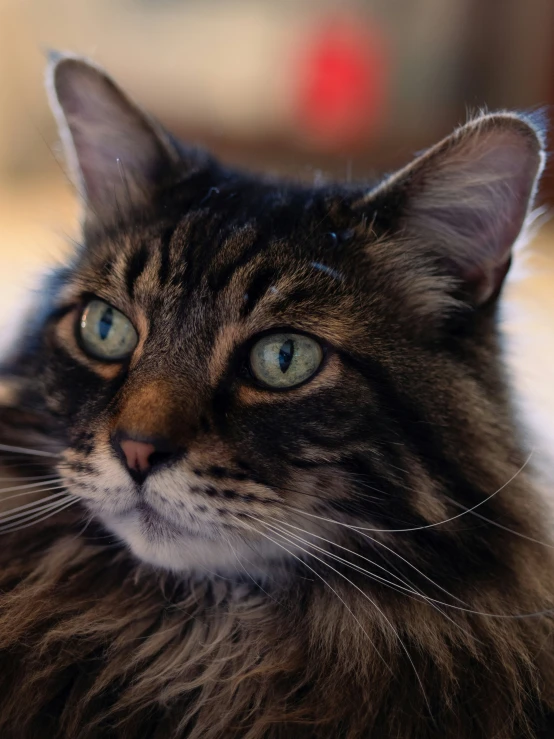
(466, 199)
(118, 157)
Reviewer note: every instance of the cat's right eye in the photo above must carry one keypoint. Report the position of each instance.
(106, 333)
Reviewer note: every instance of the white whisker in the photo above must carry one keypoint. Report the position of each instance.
(451, 595)
(60, 482)
(33, 507)
(28, 522)
(305, 564)
(501, 526)
(36, 491)
(31, 486)
(6, 524)
(426, 526)
(336, 557)
(257, 584)
(50, 478)
(335, 544)
(373, 603)
(90, 519)
(356, 529)
(405, 587)
(24, 450)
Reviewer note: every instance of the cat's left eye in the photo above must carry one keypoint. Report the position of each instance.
(284, 360)
(106, 333)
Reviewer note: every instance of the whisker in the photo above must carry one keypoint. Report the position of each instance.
(30, 452)
(61, 507)
(305, 564)
(374, 604)
(358, 530)
(404, 588)
(32, 507)
(501, 526)
(426, 526)
(24, 479)
(88, 522)
(17, 458)
(335, 544)
(451, 595)
(34, 487)
(336, 557)
(257, 585)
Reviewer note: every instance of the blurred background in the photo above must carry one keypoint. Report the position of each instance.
(310, 88)
(342, 86)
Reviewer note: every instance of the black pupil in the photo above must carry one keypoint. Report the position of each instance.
(105, 323)
(286, 353)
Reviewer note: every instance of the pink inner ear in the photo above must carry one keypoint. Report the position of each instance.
(471, 198)
(117, 153)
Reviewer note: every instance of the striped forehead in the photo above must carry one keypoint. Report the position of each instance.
(196, 255)
(192, 281)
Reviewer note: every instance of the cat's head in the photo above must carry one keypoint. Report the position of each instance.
(240, 369)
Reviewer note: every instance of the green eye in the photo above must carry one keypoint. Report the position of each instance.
(285, 360)
(106, 333)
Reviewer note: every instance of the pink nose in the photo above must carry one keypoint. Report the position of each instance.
(137, 454)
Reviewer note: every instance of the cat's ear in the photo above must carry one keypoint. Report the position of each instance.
(117, 155)
(465, 201)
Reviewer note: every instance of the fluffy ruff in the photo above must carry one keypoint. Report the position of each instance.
(96, 646)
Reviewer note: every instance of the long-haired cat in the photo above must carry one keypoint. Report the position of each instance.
(262, 475)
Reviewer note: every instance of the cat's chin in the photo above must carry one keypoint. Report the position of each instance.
(163, 546)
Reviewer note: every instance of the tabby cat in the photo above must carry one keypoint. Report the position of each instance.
(267, 482)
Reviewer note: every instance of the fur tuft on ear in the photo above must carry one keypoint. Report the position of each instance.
(465, 201)
(117, 155)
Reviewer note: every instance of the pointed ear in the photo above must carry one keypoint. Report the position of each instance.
(118, 157)
(466, 200)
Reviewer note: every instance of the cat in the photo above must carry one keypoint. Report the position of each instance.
(262, 475)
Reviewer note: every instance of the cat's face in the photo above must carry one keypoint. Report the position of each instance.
(241, 337)
(244, 369)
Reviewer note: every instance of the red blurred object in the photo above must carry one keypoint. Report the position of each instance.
(342, 82)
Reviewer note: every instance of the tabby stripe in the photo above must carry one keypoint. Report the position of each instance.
(308, 464)
(203, 242)
(165, 256)
(379, 493)
(417, 433)
(58, 313)
(218, 281)
(296, 296)
(136, 266)
(257, 290)
(421, 439)
(107, 267)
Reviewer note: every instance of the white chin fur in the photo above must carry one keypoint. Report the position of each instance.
(187, 553)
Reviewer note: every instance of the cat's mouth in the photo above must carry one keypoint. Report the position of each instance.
(156, 523)
(150, 514)
(151, 521)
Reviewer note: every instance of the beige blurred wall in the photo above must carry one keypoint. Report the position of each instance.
(228, 68)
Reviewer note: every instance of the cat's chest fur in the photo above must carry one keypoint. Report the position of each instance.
(97, 646)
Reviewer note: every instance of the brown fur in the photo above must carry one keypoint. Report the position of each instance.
(362, 555)
(99, 642)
